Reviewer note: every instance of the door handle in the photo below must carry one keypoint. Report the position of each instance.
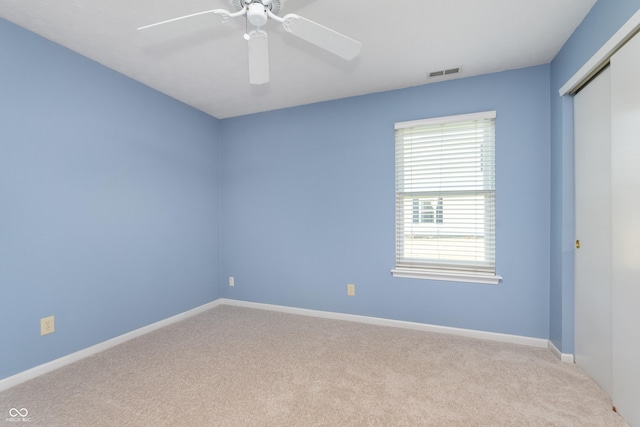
(577, 244)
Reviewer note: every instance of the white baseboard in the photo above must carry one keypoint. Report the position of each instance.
(562, 356)
(78, 355)
(90, 351)
(492, 336)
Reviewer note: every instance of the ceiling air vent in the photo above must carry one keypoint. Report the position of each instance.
(441, 73)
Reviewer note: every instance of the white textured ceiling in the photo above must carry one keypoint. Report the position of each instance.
(402, 41)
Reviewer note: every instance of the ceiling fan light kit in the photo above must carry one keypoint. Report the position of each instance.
(258, 13)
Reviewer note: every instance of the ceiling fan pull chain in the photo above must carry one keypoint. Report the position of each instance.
(246, 30)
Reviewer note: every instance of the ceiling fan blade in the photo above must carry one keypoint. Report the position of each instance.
(336, 43)
(187, 23)
(258, 57)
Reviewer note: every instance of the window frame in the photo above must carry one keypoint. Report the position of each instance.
(446, 270)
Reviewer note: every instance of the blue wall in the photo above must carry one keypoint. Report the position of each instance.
(308, 206)
(109, 202)
(602, 22)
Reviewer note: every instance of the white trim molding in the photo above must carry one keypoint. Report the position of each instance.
(601, 58)
(568, 358)
(486, 279)
(90, 351)
(470, 333)
(447, 119)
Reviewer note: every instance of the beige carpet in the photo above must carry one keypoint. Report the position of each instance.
(234, 366)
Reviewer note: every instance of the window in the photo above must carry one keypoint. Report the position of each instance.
(424, 210)
(445, 198)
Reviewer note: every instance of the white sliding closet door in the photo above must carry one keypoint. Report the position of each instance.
(592, 142)
(625, 156)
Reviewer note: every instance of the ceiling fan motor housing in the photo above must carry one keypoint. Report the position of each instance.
(275, 5)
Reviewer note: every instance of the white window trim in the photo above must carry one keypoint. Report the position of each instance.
(422, 273)
(487, 279)
(447, 119)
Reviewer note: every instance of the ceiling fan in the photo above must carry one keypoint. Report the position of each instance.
(257, 13)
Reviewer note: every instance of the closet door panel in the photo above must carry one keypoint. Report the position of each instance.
(625, 156)
(592, 269)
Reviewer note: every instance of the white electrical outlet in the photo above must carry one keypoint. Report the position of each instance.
(47, 325)
(232, 281)
(351, 290)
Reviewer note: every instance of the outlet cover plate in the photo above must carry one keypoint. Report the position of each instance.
(47, 325)
(351, 290)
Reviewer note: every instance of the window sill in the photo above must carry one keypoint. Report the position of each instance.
(487, 279)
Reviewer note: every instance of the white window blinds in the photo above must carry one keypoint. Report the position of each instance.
(445, 198)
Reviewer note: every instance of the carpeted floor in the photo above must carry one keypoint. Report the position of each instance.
(234, 366)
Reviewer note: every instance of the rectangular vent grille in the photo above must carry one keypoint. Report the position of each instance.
(446, 72)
